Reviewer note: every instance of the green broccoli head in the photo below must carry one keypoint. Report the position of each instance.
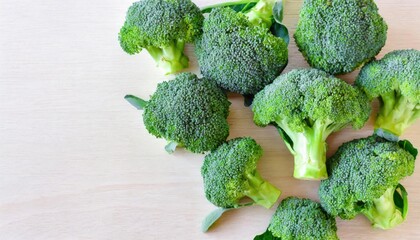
(239, 55)
(307, 105)
(337, 36)
(188, 112)
(230, 174)
(302, 219)
(395, 81)
(162, 27)
(364, 175)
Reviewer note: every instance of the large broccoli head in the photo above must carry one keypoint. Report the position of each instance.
(337, 36)
(162, 27)
(307, 105)
(395, 81)
(230, 173)
(364, 175)
(188, 112)
(240, 56)
(302, 219)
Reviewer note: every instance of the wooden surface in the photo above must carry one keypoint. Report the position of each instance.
(76, 161)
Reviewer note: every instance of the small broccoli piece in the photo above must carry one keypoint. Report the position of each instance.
(162, 27)
(307, 105)
(188, 112)
(337, 36)
(238, 51)
(364, 178)
(395, 81)
(302, 219)
(230, 173)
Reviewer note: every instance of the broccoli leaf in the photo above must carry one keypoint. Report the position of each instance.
(243, 7)
(239, 6)
(278, 29)
(401, 199)
(406, 145)
(137, 102)
(212, 218)
(267, 235)
(278, 11)
(285, 137)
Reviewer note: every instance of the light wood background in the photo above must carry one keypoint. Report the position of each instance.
(76, 161)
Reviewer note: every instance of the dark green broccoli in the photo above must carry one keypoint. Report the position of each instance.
(337, 36)
(364, 178)
(238, 51)
(307, 105)
(230, 174)
(188, 112)
(395, 81)
(162, 27)
(300, 219)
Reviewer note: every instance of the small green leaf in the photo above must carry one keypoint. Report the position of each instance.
(212, 218)
(279, 30)
(385, 134)
(406, 145)
(285, 137)
(398, 200)
(278, 11)
(243, 7)
(267, 235)
(207, 9)
(401, 199)
(137, 102)
(170, 147)
(238, 6)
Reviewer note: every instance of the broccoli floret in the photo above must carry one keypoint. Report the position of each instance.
(238, 51)
(337, 36)
(364, 176)
(301, 219)
(162, 27)
(395, 81)
(230, 174)
(188, 112)
(307, 105)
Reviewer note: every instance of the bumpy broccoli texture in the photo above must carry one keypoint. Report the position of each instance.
(302, 219)
(395, 81)
(337, 36)
(162, 27)
(364, 175)
(230, 174)
(307, 105)
(237, 50)
(188, 112)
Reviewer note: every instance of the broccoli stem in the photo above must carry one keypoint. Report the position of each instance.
(262, 13)
(170, 147)
(396, 113)
(309, 150)
(261, 191)
(383, 213)
(310, 158)
(170, 58)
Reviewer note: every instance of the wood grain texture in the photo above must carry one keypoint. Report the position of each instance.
(76, 161)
